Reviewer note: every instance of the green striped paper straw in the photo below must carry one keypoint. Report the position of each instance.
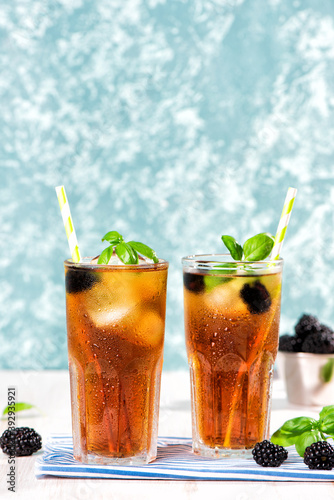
(67, 220)
(283, 223)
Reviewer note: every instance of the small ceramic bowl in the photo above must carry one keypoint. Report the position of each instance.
(309, 378)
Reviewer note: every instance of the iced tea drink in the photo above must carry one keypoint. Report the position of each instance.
(115, 324)
(232, 313)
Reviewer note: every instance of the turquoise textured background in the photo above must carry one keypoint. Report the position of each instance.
(172, 122)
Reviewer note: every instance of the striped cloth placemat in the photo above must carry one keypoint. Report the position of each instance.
(175, 461)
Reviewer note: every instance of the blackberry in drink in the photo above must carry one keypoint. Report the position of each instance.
(115, 325)
(232, 328)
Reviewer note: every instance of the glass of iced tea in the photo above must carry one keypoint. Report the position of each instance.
(232, 313)
(115, 325)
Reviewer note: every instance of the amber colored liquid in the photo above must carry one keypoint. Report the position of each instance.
(231, 354)
(115, 345)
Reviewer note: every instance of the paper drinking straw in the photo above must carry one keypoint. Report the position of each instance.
(283, 223)
(67, 220)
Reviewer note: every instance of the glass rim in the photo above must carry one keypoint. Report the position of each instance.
(68, 263)
(212, 260)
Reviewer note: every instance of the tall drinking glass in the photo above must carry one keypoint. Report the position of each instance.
(115, 325)
(232, 313)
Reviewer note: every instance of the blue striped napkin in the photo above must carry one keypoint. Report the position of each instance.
(175, 460)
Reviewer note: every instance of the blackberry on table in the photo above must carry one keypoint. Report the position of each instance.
(256, 297)
(319, 455)
(319, 343)
(20, 441)
(268, 454)
(306, 325)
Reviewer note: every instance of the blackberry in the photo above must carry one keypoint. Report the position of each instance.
(20, 441)
(286, 343)
(306, 325)
(326, 329)
(319, 343)
(268, 454)
(290, 343)
(80, 280)
(256, 297)
(319, 455)
(193, 282)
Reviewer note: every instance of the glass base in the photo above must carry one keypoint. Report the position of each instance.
(206, 451)
(93, 458)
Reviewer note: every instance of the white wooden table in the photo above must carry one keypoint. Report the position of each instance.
(49, 390)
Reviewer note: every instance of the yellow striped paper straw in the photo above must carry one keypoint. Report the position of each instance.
(283, 223)
(67, 220)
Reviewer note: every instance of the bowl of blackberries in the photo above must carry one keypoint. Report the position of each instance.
(306, 362)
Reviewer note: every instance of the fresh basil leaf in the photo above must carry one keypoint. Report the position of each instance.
(290, 431)
(210, 282)
(283, 439)
(134, 253)
(258, 247)
(113, 237)
(327, 371)
(327, 410)
(327, 420)
(306, 439)
(233, 246)
(228, 267)
(105, 255)
(144, 250)
(126, 253)
(327, 426)
(298, 425)
(18, 407)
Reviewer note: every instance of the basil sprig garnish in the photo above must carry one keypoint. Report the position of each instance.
(256, 248)
(303, 431)
(126, 251)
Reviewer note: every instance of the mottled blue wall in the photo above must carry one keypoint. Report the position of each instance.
(172, 122)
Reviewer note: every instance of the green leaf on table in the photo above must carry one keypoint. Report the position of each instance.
(126, 253)
(327, 420)
(327, 371)
(292, 429)
(326, 411)
(18, 407)
(233, 246)
(105, 255)
(144, 250)
(258, 247)
(306, 439)
(113, 237)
